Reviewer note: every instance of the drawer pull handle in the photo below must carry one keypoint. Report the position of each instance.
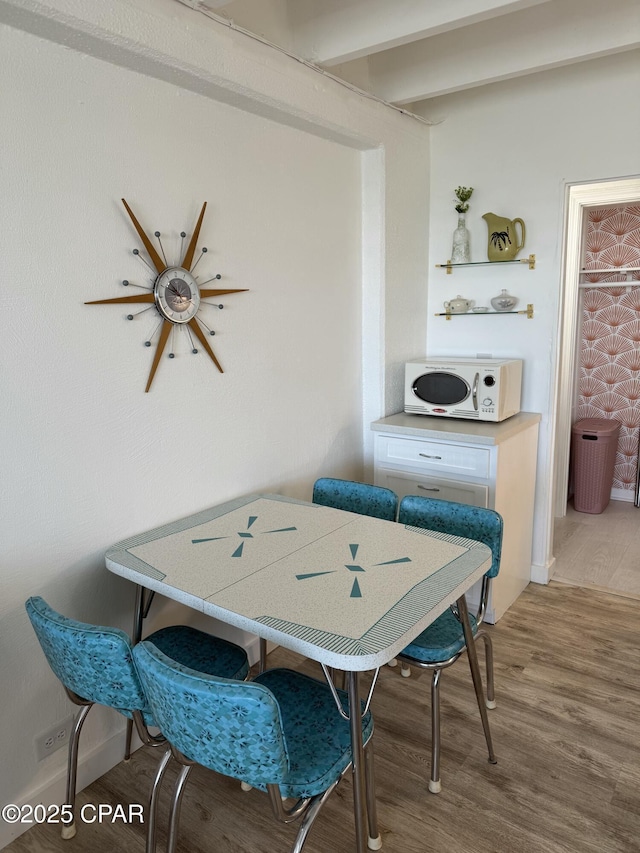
(426, 456)
(427, 489)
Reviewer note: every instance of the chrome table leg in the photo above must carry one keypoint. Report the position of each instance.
(136, 636)
(357, 750)
(475, 673)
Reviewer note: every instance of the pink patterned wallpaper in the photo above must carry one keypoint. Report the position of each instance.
(609, 380)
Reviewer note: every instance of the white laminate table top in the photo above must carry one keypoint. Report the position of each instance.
(347, 590)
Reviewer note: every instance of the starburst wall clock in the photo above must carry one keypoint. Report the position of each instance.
(174, 294)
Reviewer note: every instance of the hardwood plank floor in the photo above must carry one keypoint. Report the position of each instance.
(600, 550)
(565, 732)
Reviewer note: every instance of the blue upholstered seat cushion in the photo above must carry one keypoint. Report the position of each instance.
(283, 728)
(318, 738)
(202, 652)
(441, 641)
(351, 496)
(95, 662)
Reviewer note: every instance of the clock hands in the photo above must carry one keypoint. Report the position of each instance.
(178, 297)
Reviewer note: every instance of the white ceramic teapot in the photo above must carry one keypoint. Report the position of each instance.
(459, 305)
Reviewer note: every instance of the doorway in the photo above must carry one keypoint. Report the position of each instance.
(581, 197)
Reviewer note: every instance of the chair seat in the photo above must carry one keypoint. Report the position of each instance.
(317, 737)
(203, 652)
(197, 650)
(441, 641)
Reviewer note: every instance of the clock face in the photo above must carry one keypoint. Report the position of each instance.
(177, 295)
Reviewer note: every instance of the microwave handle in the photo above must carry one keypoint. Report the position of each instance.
(474, 391)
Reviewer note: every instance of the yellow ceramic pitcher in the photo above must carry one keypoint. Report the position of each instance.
(503, 237)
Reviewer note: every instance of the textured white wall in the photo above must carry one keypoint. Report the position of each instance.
(305, 220)
(519, 143)
(92, 457)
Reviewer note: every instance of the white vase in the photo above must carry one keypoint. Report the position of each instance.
(461, 251)
(504, 302)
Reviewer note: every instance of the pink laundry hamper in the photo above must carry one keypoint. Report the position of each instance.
(594, 443)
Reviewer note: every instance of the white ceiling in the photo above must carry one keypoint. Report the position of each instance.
(409, 51)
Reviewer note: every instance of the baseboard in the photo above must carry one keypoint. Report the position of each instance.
(623, 495)
(542, 574)
(52, 792)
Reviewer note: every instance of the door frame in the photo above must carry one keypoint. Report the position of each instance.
(578, 199)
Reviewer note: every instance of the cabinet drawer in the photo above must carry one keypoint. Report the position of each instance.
(434, 456)
(402, 484)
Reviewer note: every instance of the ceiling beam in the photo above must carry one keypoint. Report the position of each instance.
(536, 39)
(331, 32)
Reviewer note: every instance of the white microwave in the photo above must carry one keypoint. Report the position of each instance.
(480, 389)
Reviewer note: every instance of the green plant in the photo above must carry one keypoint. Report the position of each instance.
(463, 194)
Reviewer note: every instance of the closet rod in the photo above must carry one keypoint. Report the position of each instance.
(620, 270)
(584, 285)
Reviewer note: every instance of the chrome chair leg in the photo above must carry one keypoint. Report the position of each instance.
(176, 803)
(309, 817)
(69, 830)
(153, 801)
(435, 785)
(127, 743)
(488, 656)
(374, 842)
(340, 679)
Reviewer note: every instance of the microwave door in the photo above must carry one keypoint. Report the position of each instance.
(439, 388)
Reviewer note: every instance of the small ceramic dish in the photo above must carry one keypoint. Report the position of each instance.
(480, 309)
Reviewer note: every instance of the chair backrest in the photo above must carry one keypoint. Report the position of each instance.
(356, 497)
(92, 661)
(232, 727)
(473, 522)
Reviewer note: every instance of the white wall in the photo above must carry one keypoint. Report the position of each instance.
(519, 143)
(300, 211)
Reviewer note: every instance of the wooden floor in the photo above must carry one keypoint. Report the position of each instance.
(566, 732)
(601, 551)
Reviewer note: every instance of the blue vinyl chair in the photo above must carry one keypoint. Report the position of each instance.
(356, 497)
(281, 733)
(95, 666)
(442, 643)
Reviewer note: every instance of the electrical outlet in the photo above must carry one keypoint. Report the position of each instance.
(54, 738)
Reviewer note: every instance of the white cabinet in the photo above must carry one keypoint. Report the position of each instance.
(403, 484)
(482, 464)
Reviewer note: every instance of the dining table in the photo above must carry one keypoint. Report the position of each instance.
(347, 590)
